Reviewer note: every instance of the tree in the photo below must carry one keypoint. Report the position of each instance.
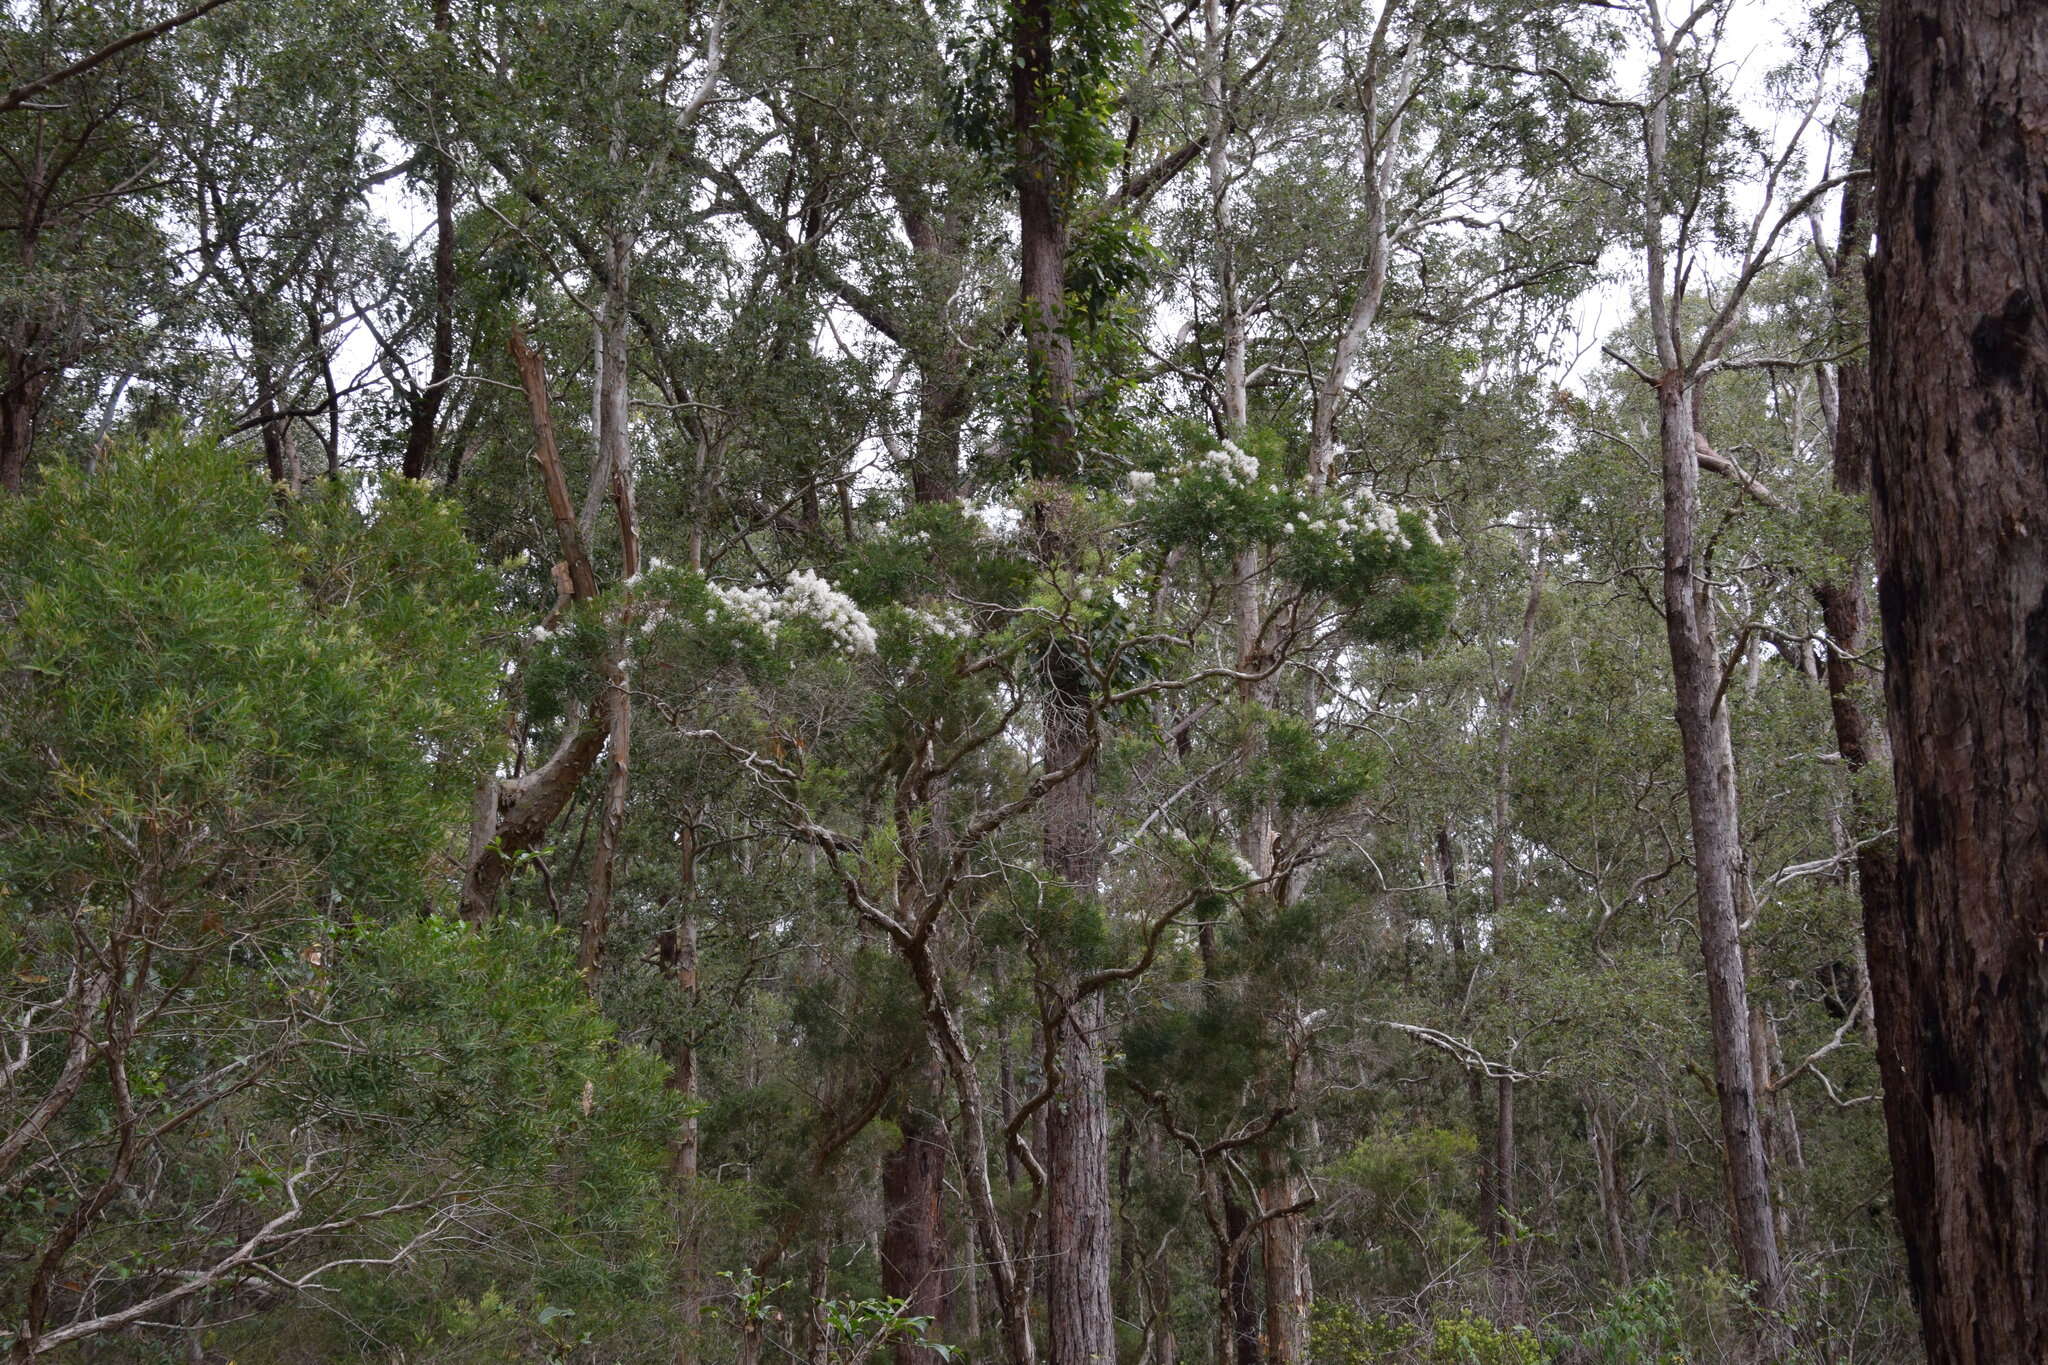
(1958, 373)
(233, 740)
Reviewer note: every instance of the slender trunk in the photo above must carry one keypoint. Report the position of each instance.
(1506, 1240)
(616, 459)
(943, 1029)
(1475, 1084)
(423, 429)
(1507, 1282)
(597, 905)
(513, 814)
(1165, 1344)
(272, 426)
(1959, 371)
(818, 1289)
(677, 952)
(1844, 608)
(1613, 1192)
(1703, 728)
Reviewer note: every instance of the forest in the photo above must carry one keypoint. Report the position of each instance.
(1046, 682)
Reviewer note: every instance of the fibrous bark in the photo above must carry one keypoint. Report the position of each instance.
(1959, 483)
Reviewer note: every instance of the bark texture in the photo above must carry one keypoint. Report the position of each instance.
(916, 1264)
(1702, 713)
(1959, 371)
(1080, 1324)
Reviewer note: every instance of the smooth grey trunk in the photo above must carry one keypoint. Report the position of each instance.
(1703, 727)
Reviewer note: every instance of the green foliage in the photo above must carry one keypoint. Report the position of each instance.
(1089, 42)
(1384, 565)
(1310, 772)
(182, 654)
(1468, 1339)
(1341, 1335)
(1640, 1326)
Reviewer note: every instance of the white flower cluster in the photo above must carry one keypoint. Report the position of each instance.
(804, 594)
(756, 607)
(1233, 464)
(1372, 515)
(1228, 463)
(944, 622)
(809, 595)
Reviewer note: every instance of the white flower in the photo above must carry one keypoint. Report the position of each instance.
(806, 594)
(944, 622)
(1141, 481)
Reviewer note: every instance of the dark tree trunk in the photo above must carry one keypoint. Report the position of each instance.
(1080, 1324)
(1242, 1310)
(916, 1260)
(944, 398)
(1042, 243)
(19, 401)
(1844, 610)
(423, 428)
(1959, 372)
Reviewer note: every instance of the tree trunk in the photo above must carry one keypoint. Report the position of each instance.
(19, 401)
(1959, 372)
(597, 905)
(1042, 240)
(423, 429)
(677, 952)
(1080, 1323)
(1079, 1319)
(1283, 1254)
(1501, 1218)
(1696, 672)
(1240, 1310)
(1613, 1191)
(915, 1257)
(1475, 1084)
(512, 815)
(1507, 1282)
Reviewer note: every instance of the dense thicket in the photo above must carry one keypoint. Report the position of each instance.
(1061, 680)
